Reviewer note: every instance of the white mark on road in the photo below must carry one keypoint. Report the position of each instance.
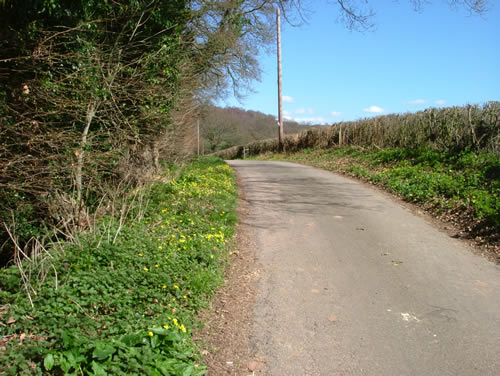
(409, 317)
(338, 217)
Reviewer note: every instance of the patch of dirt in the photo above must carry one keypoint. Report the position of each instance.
(225, 337)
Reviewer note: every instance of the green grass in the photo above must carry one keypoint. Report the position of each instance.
(126, 306)
(446, 180)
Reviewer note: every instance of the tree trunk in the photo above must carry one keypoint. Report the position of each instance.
(91, 109)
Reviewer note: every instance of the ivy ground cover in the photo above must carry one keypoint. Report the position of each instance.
(123, 299)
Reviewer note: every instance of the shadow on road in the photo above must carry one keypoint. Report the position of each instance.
(314, 195)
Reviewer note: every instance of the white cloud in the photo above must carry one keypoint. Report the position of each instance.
(336, 113)
(288, 99)
(440, 102)
(374, 110)
(309, 120)
(417, 102)
(301, 111)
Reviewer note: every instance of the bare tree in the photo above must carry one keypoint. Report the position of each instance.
(359, 14)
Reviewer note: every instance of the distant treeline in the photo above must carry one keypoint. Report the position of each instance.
(221, 128)
(473, 127)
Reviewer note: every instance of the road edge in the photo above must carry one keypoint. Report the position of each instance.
(225, 339)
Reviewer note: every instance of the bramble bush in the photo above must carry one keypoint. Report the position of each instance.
(122, 299)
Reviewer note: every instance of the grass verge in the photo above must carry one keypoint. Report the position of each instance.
(123, 299)
(461, 188)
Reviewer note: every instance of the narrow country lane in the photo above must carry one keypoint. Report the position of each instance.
(353, 283)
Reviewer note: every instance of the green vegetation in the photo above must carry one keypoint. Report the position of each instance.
(466, 184)
(95, 94)
(121, 299)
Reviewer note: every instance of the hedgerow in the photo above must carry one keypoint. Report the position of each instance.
(122, 299)
(450, 129)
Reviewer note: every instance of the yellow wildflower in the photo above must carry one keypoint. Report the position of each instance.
(150, 334)
(146, 269)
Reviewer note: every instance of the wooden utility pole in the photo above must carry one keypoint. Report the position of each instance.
(280, 116)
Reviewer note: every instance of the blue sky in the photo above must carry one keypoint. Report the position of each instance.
(413, 60)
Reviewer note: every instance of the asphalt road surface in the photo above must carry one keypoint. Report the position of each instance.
(353, 283)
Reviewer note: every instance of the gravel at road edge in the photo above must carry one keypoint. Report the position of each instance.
(225, 337)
